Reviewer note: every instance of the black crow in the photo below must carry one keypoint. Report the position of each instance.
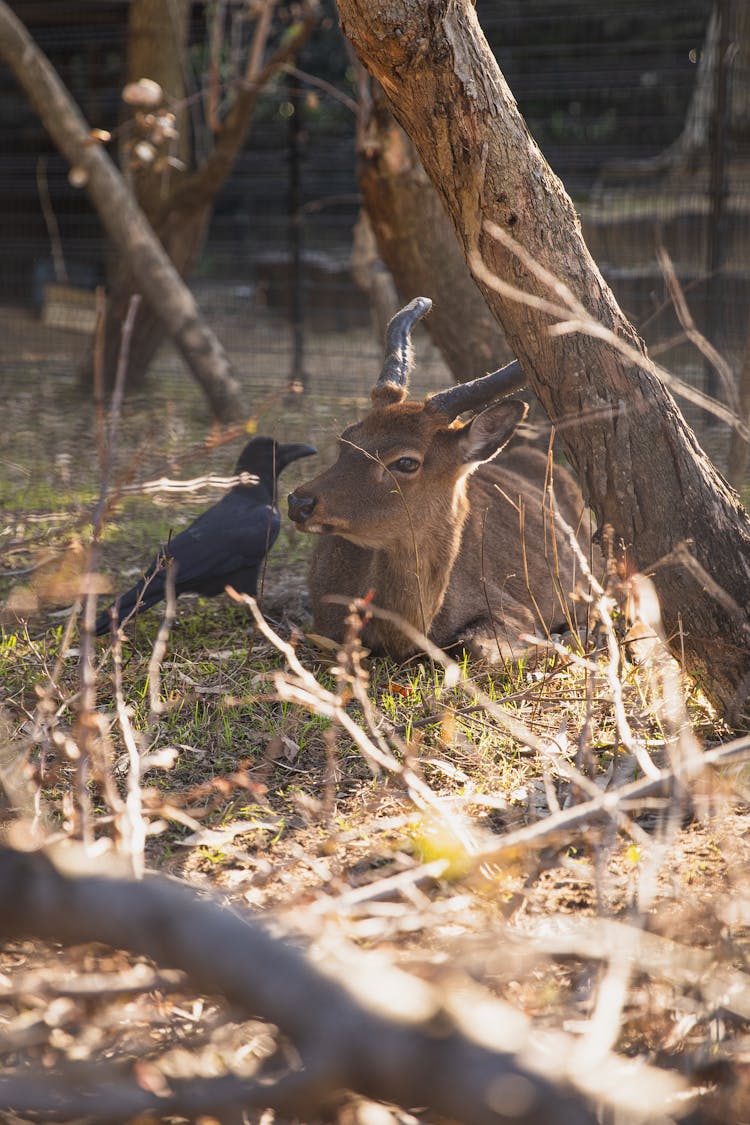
(227, 544)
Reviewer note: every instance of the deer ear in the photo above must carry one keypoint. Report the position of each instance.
(487, 433)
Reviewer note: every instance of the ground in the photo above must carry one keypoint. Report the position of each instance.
(279, 811)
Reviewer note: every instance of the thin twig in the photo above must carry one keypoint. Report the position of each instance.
(704, 346)
(305, 690)
(129, 816)
(320, 84)
(613, 803)
(160, 644)
(571, 316)
(631, 744)
(260, 39)
(682, 556)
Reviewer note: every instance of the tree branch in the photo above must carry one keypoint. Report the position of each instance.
(356, 1025)
(201, 187)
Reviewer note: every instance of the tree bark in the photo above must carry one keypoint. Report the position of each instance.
(154, 274)
(639, 463)
(418, 244)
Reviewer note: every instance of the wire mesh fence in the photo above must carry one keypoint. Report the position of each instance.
(641, 109)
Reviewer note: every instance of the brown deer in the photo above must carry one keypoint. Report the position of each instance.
(415, 511)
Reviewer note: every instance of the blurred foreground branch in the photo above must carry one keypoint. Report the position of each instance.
(373, 1029)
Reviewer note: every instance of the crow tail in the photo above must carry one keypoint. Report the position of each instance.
(143, 595)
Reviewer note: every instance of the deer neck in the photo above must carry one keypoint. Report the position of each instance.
(410, 579)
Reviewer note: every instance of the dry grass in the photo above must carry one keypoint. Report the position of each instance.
(435, 834)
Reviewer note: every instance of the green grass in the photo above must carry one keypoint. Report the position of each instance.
(238, 753)
(277, 809)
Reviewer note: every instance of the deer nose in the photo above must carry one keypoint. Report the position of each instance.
(301, 507)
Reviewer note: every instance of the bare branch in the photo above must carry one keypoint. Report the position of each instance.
(704, 346)
(571, 316)
(361, 1027)
(205, 182)
(624, 799)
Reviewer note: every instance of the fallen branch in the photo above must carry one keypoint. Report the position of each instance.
(358, 1025)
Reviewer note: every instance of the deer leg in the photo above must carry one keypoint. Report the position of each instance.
(496, 641)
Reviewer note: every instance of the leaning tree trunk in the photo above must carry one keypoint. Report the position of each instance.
(156, 48)
(639, 463)
(124, 221)
(182, 236)
(418, 244)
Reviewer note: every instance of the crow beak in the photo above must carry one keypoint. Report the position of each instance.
(293, 451)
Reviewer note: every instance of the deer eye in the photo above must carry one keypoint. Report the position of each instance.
(405, 465)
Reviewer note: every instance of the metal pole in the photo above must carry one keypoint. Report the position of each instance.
(717, 186)
(298, 376)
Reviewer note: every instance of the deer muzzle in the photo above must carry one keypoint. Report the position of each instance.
(308, 515)
(301, 507)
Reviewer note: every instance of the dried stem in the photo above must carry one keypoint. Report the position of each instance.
(571, 316)
(704, 346)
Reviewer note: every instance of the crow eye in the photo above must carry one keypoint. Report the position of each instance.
(405, 465)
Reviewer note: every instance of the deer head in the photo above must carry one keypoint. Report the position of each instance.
(400, 471)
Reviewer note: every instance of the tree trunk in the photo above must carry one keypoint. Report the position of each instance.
(156, 49)
(691, 146)
(690, 152)
(124, 221)
(739, 76)
(372, 275)
(418, 244)
(639, 463)
(182, 236)
(691, 149)
(179, 208)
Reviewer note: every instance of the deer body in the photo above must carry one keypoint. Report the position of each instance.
(415, 512)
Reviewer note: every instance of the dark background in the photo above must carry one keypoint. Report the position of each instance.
(598, 83)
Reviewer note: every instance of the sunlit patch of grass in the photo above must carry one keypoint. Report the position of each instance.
(239, 753)
(218, 709)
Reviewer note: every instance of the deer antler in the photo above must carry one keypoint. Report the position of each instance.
(479, 392)
(399, 354)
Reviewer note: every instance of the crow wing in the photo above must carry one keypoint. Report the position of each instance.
(224, 546)
(232, 536)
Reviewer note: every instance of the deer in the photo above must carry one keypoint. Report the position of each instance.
(416, 516)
